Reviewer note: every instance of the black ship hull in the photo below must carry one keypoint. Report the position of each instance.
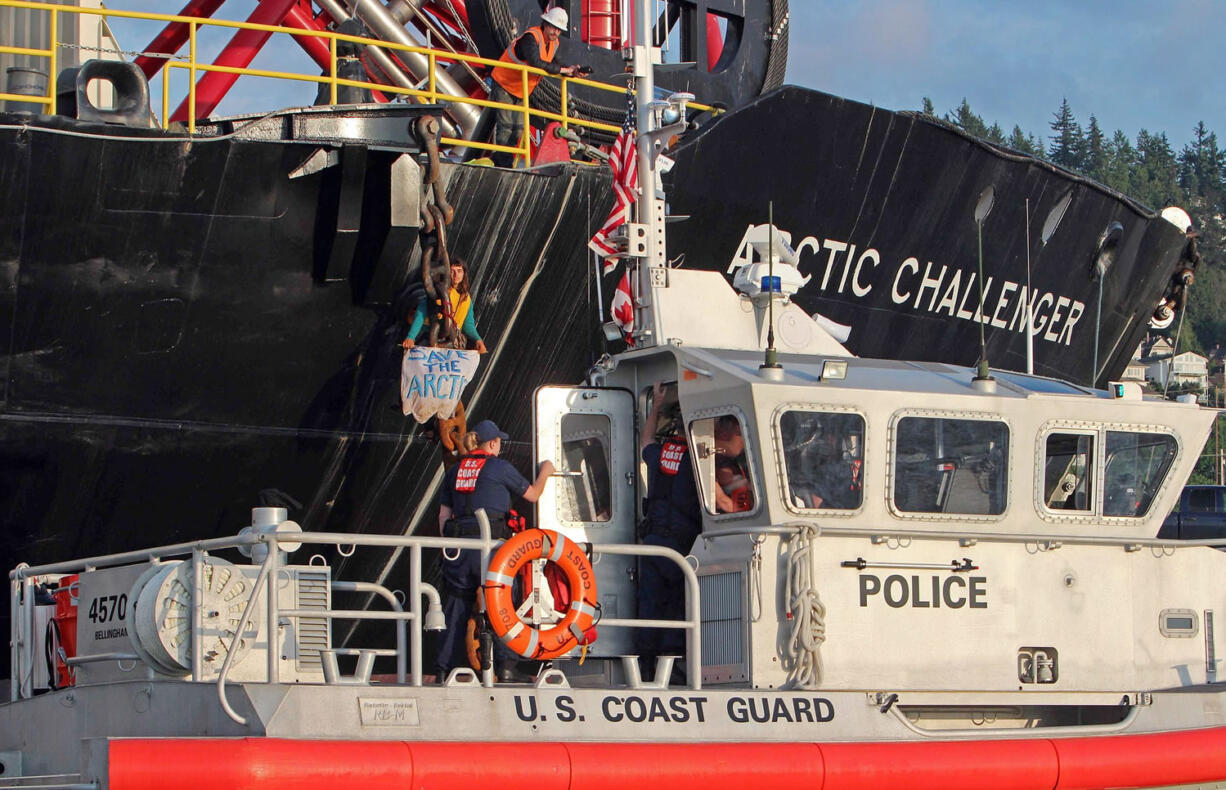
(178, 348)
(887, 201)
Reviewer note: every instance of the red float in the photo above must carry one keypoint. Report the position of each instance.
(1066, 763)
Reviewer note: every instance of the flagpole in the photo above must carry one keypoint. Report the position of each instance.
(636, 182)
(644, 83)
(623, 162)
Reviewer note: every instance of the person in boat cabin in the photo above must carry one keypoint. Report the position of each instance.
(802, 445)
(733, 494)
(672, 518)
(480, 480)
(461, 310)
(824, 469)
(536, 48)
(839, 474)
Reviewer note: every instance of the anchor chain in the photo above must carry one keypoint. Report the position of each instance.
(436, 215)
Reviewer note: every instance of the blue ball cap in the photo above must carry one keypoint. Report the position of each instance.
(487, 431)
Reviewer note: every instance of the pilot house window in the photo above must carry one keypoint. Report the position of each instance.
(584, 491)
(944, 465)
(823, 454)
(1137, 463)
(722, 465)
(1068, 469)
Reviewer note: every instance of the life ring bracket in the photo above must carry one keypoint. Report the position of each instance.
(571, 558)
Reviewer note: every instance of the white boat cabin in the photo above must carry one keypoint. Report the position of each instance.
(997, 534)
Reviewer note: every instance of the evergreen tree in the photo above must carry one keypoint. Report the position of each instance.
(1156, 177)
(927, 108)
(1205, 322)
(1067, 144)
(1202, 178)
(1202, 167)
(1036, 145)
(967, 121)
(1095, 164)
(1120, 159)
(1025, 143)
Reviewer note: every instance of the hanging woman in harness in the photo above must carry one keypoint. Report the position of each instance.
(456, 311)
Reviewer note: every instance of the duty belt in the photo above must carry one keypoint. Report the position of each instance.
(467, 527)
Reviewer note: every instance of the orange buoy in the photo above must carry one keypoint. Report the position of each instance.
(569, 557)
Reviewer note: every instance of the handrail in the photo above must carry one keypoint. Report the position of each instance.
(25, 577)
(402, 640)
(266, 568)
(1003, 733)
(692, 624)
(429, 95)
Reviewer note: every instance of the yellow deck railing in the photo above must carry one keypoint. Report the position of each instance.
(428, 94)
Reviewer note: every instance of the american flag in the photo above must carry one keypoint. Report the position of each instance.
(623, 159)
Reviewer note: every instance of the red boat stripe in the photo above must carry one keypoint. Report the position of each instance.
(1167, 758)
(943, 765)
(741, 766)
(1066, 763)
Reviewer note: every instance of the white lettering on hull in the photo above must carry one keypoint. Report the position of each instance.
(848, 268)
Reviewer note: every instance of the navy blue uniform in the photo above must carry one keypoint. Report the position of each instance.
(673, 519)
(488, 482)
(479, 480)
(838, 484)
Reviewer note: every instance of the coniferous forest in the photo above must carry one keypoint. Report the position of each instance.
(1151, 171)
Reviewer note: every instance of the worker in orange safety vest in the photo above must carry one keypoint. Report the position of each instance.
(537, 48)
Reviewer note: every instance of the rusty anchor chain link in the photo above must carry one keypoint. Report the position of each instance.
(436, 215)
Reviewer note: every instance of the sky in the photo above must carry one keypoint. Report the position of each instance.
(1134, 64)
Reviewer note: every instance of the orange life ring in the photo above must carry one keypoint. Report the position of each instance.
(516, 553)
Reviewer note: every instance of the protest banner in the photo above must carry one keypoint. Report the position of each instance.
(433, 379)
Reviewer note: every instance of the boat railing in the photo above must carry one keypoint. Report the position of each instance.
(426, 92)
(407, 613)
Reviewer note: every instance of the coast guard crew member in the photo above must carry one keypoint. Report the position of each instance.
(480, 480)
(672, 519)
(734, 492)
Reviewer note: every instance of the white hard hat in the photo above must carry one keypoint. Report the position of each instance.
(557, 17)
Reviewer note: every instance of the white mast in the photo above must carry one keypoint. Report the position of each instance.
(646, 238)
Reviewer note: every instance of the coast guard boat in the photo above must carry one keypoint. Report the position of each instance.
(976, 600)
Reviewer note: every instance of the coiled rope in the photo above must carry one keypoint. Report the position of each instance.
(806, 612)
